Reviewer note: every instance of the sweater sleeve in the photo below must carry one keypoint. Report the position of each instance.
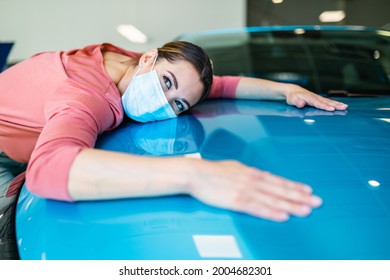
(74, 120)
(224, 87)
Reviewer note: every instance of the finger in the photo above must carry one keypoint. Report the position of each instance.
(296, 101)
(319, 102)
(257, 209)
(272, 179)
(288, 190)
(338, 105)
(328, 104)
(282, 204)
(293, 195)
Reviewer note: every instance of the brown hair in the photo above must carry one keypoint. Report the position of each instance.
(181, 50)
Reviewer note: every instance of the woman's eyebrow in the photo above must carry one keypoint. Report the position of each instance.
(174, 80)
(186, 102)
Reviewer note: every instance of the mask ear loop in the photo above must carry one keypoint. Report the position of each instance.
(154, 62)
(140, 65)
(139, 69)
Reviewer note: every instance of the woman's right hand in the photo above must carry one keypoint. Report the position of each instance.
(235, 186)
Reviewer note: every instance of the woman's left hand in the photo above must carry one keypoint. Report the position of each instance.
(300, 97)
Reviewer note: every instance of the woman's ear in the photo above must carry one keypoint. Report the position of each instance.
(148, 57)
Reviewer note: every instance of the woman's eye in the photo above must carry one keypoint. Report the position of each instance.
(180, 105)
(167, 82)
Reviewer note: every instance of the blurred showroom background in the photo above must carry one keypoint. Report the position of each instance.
(45, 25)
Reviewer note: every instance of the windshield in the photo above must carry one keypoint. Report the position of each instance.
(324, 61)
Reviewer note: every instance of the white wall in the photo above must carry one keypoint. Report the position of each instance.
(45, 25)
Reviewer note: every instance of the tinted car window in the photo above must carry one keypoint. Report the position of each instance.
(320, 60)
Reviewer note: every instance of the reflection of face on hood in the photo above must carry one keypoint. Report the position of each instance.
(181, 135)
(158, 138)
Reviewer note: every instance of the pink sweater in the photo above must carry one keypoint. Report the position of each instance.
(55, 104)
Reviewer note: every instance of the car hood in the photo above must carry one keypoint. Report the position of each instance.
(343, 155)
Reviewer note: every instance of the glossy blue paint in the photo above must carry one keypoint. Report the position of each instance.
(342, 155)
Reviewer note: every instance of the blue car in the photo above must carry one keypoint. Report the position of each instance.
(343, 155)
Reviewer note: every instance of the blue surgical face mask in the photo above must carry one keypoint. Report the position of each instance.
(144, 99)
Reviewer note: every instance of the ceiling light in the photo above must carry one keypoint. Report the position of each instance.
(277, 1)
(132, 33)
(332, 16)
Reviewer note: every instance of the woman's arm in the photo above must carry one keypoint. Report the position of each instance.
(97, 174)
(64, 166)
(254, 88)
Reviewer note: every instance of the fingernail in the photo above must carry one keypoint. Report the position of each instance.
(283, 217)
(316, 201)
(307, 189)
(305, 210)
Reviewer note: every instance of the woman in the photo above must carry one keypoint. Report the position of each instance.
(59, 102)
